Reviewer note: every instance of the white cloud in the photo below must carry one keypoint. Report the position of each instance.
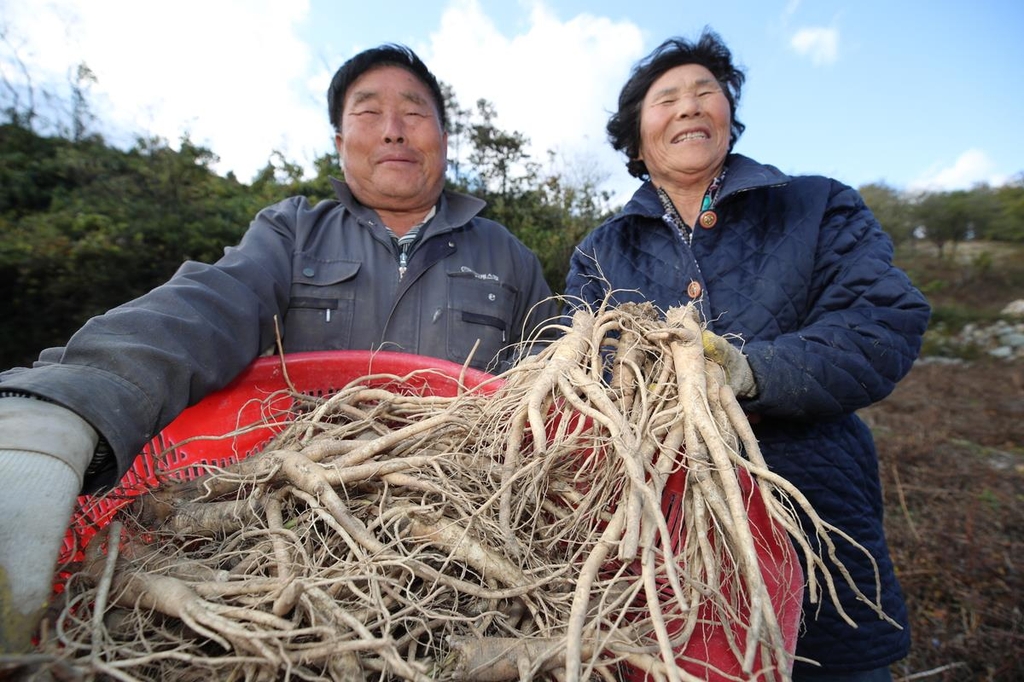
(818, 43)
(556, 81)
(236, 78)
(230, 74)
(971, 168)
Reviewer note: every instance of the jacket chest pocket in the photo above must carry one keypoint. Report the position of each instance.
(321, 309)
(480, 308)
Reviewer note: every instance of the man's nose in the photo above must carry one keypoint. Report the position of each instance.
(394, 127)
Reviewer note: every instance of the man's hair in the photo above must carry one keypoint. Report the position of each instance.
(385, 55)
(710, 52)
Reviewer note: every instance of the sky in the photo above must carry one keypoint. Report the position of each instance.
(921, 95)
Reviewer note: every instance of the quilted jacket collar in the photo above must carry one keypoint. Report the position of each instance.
(744, 173)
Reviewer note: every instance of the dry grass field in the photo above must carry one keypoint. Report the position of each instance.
(951, 449)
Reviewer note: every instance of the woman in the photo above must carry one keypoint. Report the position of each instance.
(804, 308)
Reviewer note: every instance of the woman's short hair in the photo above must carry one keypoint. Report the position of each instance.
(708, 51)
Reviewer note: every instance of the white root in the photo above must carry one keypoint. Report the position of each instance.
(511, 533)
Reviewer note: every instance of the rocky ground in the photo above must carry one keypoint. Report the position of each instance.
(951, 449)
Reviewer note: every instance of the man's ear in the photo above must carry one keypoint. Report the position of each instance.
(338, 140)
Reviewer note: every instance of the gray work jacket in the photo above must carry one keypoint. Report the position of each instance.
(328, 277)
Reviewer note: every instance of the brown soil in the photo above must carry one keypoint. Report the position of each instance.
(951, 451)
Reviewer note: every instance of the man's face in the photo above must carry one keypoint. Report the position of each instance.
(391, 143)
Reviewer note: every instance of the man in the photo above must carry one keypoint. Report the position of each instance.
(395, 262)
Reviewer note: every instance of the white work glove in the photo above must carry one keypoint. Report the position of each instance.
(44, 451)
(737, 370)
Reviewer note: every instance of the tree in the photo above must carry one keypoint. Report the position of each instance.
(892, 210)
(101, 227)
(30, 173)
(572, 188)
(499, 158)
(548, 208)
(81, 115)
(85, 226)
(951, 217)
(458, 128)
(1008, 222)
(19, 102)
(282, 178)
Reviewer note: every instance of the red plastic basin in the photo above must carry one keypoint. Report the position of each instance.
(244, 402)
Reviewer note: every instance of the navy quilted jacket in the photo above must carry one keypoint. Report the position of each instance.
(800, 269)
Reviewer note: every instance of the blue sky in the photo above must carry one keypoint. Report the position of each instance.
(917, 94)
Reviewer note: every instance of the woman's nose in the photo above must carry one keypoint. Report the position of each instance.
(688, 105)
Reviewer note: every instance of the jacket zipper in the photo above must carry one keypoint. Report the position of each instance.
(403, 260)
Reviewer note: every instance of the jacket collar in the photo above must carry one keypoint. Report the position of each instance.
(744, 173)
(453, 209)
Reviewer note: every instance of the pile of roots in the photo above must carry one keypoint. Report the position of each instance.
(518, 530)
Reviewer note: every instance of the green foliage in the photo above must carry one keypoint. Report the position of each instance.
(971, 287)
(281, 178)
(952, 317)
(982, 262)
(87, 227)
(891, 209)
(1008, 222)
(496, 155)
(31, 170)
(938, 343)
(949, 218)
(549, 208)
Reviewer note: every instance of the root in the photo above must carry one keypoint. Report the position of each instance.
(584, 517)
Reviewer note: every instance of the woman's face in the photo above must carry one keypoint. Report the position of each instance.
(685, 125)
